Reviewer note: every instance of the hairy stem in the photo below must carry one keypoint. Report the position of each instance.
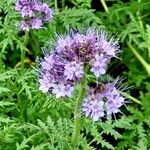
(105, 6)
(139, 57)
(77, 114)
(23, 51)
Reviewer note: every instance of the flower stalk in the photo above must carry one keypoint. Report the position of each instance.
(77, 114)
(23, 51)
(139, 57)
(105, 6)
(56, 6)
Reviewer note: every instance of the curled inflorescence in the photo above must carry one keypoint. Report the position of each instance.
(103, 100)
(62, 68)
(34, 14)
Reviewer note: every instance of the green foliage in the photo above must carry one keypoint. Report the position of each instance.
(73, 18)
(30, 120)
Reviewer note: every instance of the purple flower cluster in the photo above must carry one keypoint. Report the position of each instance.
(104, 100)
(59, 75)
(61, 69)
(34, 14)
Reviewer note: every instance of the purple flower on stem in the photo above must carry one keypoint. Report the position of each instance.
(87, 39)
(62, 90)
(65, 64)
(33, 13)
(74, 70)
(52, 78)
(25, 25)
(47, 12)
(85, 45)
(110, 46)
(36, 23)
(104, 100)
(93, 105)
(48, 62)
(99, 65)
(36, 7)
(64, 45)
(114, 99)
(46, 82)
(20, 4)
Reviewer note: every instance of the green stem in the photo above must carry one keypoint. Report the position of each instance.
(23, 51)
(139, 16)
(105, 6)
(138, 56)
(130, 97)
(56, 6)
(77, 114)
(34, 44)
(94, 139)
(63, 3)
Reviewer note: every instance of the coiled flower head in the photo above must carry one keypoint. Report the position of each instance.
(64, 66)
(34, 14)
(103, 100)
(58, 75)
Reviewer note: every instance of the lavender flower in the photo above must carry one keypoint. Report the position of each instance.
(47, 12)
(99, 65)
(48, 62)
(85, 45)
(114, 99)
(64, 44)
(26, 11)
(25, 25)
(66, 64)
(52, 78)
(36, 23)
(74, 70)
(45, 84)
(93, 105)
(36, 7)
(34, 14)
(101, 101)
(62, 90)
(20, 4)
(25, 7)
(109, 46)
